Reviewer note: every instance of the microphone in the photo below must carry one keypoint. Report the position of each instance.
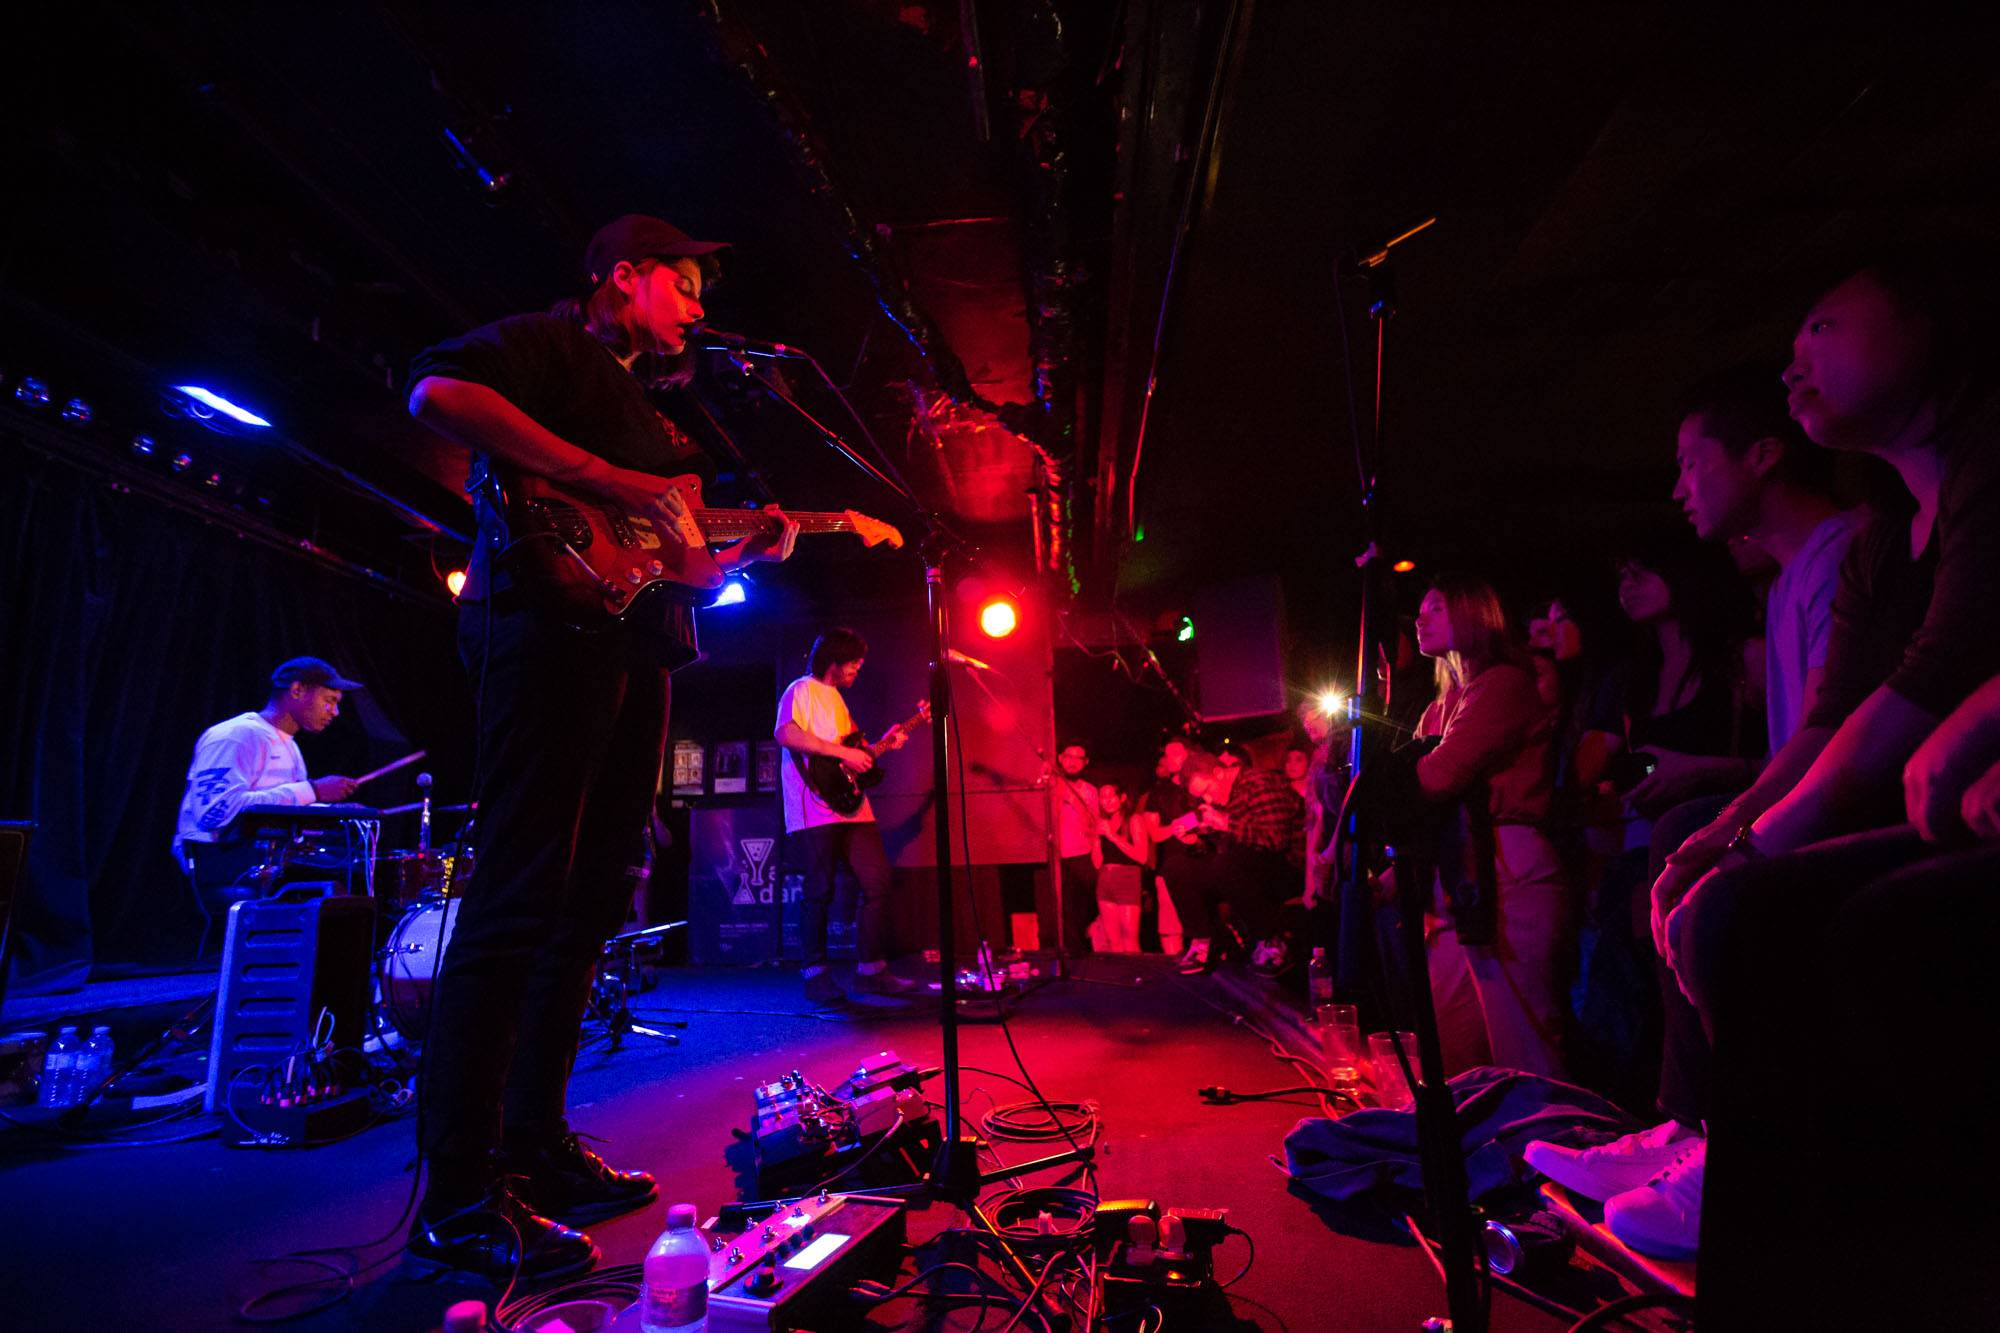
(722, 340)
(424, 783)
(963, 660)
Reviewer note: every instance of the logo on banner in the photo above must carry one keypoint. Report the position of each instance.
(751, 885)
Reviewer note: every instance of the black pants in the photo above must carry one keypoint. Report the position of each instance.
(820, 850)
(571, 737)
(1255, 884)
(1184, 874)
(1849, 991)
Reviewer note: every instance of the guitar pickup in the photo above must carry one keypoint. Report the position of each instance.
(571, 527)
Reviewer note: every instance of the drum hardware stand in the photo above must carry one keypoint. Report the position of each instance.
(611, 993)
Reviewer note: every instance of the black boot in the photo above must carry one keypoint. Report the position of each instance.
(499, 1238)
(559, 1177)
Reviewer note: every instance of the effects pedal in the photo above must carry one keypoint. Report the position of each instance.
(791, 1268)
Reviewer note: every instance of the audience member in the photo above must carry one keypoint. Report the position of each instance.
(1120, 856)
(1497, 1003)
(1076, 844)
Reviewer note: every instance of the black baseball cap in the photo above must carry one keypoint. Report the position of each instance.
(637, 236)
(312, 671)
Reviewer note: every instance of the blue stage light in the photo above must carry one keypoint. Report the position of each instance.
(215, 402)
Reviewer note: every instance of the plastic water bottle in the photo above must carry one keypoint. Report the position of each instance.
(97, 1061)
(1319, 980)
(673, 1298)
(59, 1070)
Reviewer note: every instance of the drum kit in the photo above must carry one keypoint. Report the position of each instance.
(417, 893)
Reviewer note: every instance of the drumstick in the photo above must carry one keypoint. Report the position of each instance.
(404, 762)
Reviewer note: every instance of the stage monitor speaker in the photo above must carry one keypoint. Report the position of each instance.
(286, 961)
(13, 862)
(1239, 648)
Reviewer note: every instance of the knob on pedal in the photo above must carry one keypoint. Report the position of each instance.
(764, 1281)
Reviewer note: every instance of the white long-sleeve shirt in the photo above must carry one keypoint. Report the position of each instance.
(239, 762)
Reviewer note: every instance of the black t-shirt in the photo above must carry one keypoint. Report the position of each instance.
(1877, 609)
(571, 384)
(1957, 647)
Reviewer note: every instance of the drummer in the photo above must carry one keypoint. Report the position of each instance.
(253, 759)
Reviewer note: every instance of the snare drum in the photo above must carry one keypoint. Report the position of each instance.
(410, 964)
(404, 879)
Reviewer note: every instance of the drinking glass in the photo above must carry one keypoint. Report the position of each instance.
(1392, 1090)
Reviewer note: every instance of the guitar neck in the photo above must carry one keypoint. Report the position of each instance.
(907, 724)
(722, 525)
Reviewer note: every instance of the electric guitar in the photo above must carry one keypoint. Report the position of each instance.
(589, 561)
(830, 780)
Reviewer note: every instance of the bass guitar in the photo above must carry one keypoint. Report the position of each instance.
(590, 561)
(830, 780)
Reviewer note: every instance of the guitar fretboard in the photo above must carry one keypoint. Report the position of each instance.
(726, 523)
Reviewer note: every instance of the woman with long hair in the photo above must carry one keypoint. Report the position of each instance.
(1497, 999)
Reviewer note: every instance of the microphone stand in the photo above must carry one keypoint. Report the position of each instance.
(954, 1176)
(1446, 1192)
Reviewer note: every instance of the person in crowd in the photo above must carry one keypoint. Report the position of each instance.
(1259, 822)
(1685, 727)
(1180, 854)
(1076, 844)
(1497, 1003)
(1165, 792)
(253, 759)
(1896, 362)
(1123, 851)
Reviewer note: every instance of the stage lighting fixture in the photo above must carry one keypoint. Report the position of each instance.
(182, 462)
(455, 581)
(998, 618)
(76, 412)
(215, 402)
(732, 594)
(1331, 702)
(1404, 566)
(143, 445)
(31, 392)
(1185, 634)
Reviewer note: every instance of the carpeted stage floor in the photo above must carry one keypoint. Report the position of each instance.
(168, 1237)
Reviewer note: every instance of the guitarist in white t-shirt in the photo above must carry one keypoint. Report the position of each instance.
(813, 722)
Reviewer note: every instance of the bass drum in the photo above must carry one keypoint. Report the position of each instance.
(410, 964)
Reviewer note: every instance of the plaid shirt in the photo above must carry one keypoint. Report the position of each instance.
(1265, 813)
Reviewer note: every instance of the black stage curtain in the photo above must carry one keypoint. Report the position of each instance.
(127, 628)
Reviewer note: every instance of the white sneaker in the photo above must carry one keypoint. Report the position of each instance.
(1195, 959)
(1663, 1218)
(1624, 1163)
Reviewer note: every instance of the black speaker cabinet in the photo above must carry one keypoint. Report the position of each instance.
(13, 862)
(285, 962)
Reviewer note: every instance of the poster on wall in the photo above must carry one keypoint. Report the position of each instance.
(687, 768)
(738, 890)
(732, 768)
(767, 765)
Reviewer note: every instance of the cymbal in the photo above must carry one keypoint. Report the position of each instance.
(466, 808)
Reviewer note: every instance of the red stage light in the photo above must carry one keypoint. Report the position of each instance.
(455, 581)
(1404, 566)
(999, 618)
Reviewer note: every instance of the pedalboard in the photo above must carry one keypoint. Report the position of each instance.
(798, 1126)
(798, 1262)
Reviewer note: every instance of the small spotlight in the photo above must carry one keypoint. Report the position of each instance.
(144, 445)
(213, 481)
(31, 392)
(76, 412)
(1185, 634)
(215, 402)
(1331, 702)
(455, 581)
(1404, 566)
(998, 618)
(732, 594)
